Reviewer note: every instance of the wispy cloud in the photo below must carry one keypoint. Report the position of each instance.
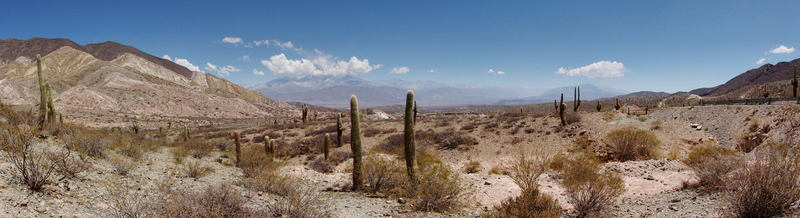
(245, 57)
(782, 50)
(233, 40)
(256, 72)
(183, 62)
(599, 69)
(262, 42)
(401, 70)
(283, 44)
(222, 71)
(761, 61)
(491, 71)
(433, 71)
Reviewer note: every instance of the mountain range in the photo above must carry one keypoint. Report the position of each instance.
(334, 91)
(112, 80)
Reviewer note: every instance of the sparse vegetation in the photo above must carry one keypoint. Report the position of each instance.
(589, 189)
(768, 185)
(712, 164)
(472, 167)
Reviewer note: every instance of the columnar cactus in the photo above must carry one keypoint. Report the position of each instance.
(305, 113)
(42, 91)
(766, 92)
(135, 128)
(415, 112)
(185, 133)
(617, 106)
(269, 149)
(339, 130)
(315, 115)
(355, 142)
(555, 103)
(577, 98)
(51, 111)
(327, 146)
(60, 118)
(561, 110)
(410, 151)
(238, 148)
(272, 147)
(598, 106)
(794, 82)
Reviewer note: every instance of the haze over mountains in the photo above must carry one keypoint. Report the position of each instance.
(334, 91)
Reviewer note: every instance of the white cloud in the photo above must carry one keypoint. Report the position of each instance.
(761, 61)
(222, 71)
(167, 57)
(433, 71)
(283, 44)
(599, 69)
(262, 42)
(782, 50)
(245, 57)
(232, 40)
(279, 65)
(401, 70)
(491, 71)
(185, 63)
(322, 64)
(256, 72)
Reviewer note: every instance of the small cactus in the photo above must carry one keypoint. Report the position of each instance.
(339, 130)
(617, 106)
(60, 118)
(577, 96)
(355, 142)
(238, 148)
(561, 110)
(766, 92)
(598, 106)
(555, 103)
(305, 113)
(135, 128)
(410, 151)
(327, 146)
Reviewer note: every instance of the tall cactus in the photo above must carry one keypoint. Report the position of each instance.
(410, 151)
(315, 115)
(561, 110)
(555, 103)
(42, 92)
(766, 92)
(185, 133)
(598, 106)
(577, 98)
(617, 106)
(415, 112)
(339, 130)
(51, 110)
(238, 148)
(355, 142)
(268, 149)
(305, 113)
(794, 82)
(327, 146)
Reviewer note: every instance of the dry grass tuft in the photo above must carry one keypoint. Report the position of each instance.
(589, 190)
(712, 164)
(472, 167)
(531, 203)
(767, 186)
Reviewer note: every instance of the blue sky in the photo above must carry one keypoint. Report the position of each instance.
(632, 45)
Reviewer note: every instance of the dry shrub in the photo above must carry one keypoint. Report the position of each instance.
(531, 203)
(472, 167)
(656, 124)
(447, 139)
(255, 160)
(768, 185)
(214, 201)
(469, 127)
(642, 118)
(438, 189)
(270, 181)
(302, 201)
(124, 144)
(529, 163)
(393, 144)
(712, 164)
(632, 144)
(589, 190)
(33, 162)
(582, 142)
(121, 165)
(196, 169)
(371, 132)
(222, 144)
(499, 170)
(327, 166)
(383, 174)
(330, 129)
(71, 165)
(124, 203)
(87, 142)
(571, 118)
(530, 130)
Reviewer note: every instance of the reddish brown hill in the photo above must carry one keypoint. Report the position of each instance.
(10, 49)
(765, 74)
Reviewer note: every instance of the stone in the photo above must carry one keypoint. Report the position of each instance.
(649, 177)
(401, 200)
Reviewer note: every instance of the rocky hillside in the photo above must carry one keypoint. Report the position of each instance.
(117, 80)
(765, 74)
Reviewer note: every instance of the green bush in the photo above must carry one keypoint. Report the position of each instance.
(632, 144)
